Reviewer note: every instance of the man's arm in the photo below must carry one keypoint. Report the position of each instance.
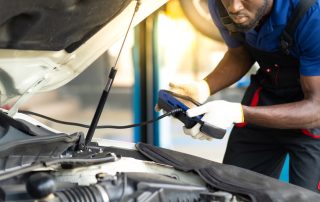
(235, 63)
(302, 114)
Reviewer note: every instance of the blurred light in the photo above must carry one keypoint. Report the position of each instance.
(176, 40)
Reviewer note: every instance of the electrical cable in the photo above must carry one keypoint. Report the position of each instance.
(101, 126)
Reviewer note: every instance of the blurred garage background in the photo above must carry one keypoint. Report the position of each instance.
(178, 42)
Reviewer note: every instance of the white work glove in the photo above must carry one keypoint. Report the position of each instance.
(197, 90)
(218, 113)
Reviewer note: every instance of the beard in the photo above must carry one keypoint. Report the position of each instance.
(254, 22)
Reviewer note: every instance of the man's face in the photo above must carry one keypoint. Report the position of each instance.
(246, 14)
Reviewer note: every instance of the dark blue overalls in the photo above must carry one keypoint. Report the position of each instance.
(277, 81)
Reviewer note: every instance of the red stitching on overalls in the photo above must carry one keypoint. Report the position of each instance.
(308, 133)
(256, 97)
(254, 102)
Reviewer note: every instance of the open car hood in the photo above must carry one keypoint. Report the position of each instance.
(45, 44)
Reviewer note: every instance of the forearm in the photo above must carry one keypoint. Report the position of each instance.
(235, 63)
(302, 114)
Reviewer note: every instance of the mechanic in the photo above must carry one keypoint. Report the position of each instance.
(280, 111)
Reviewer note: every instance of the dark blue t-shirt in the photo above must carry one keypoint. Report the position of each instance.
(306, 38)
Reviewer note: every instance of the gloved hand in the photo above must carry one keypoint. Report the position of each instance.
(197, 90)
(218, 113)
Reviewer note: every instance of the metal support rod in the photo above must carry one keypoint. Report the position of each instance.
(100, 106)
(106, 90)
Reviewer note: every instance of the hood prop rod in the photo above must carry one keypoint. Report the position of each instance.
(107, 88)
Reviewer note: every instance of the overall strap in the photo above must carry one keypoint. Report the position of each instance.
(228, 23)
(225, 18)
(287, 36)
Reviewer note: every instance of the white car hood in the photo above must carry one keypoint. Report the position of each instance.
(24, 72)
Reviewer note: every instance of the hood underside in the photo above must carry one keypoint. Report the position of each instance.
(54, 24)
(46, 43)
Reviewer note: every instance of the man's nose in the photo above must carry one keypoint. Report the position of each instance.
(234, 6)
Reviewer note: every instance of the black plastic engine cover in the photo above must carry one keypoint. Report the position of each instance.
(53, 24)
(230, 178)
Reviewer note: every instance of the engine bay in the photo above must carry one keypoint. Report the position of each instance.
(39, 164)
